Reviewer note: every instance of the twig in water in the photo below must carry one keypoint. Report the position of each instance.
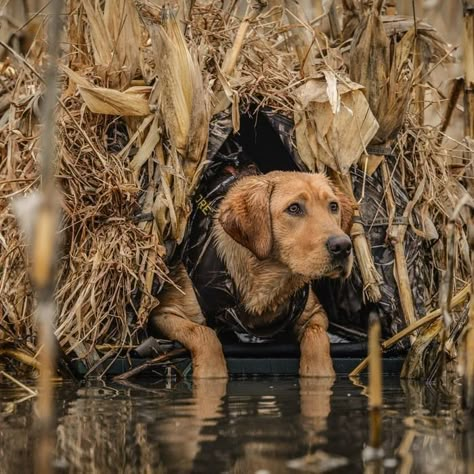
(20, 384)
(150, 363)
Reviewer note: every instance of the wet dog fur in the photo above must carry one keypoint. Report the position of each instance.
(275, 233)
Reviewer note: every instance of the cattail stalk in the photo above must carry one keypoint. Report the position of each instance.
(44, 251)
(375, 385)
(373, 453)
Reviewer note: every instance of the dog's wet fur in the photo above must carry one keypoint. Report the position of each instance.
(275, 233)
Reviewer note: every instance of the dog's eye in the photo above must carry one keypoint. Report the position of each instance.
(334, 206)
(294, 209)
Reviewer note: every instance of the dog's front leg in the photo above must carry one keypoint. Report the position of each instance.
(201, 341)
(315, 360)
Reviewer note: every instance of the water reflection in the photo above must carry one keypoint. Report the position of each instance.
(247, 426)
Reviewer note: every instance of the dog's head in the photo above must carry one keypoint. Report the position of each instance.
(298, 219)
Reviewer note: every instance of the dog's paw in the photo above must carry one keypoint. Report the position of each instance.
(210, 368)
(308, 369)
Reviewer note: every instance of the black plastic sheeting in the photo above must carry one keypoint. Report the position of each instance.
(275, 349)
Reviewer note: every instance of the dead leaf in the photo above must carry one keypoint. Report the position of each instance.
(336, 139)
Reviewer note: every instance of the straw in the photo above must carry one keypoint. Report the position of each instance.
(138, 91)
(468, 42)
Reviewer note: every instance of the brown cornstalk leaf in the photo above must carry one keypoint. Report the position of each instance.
(101, 100)
(131, 102)
(370, 62)
(334, 121)
(147, 147)
(123, 26)
(102, 45)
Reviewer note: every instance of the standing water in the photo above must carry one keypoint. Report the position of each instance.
(265, 425)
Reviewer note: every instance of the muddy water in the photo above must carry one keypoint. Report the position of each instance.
(244, 426)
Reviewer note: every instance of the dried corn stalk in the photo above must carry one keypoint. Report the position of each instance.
(369, 60)
(183, 107)
(388, 55)
(396, 236)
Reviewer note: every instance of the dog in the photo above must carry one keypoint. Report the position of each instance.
(274, 234)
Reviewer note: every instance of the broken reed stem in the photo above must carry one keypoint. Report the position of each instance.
(375, 384)
(47, 359)
(429, 318)
(458, 84)
(20, 356)
(396, 234)
(370, 276)
(253, 10)
(17, 382)
(468, 386)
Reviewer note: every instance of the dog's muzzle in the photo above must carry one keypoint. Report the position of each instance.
(339, 247)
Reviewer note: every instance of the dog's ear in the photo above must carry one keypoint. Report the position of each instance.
(347, 210)
(245, 215)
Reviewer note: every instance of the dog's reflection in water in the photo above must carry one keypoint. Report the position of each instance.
(287, 438)
(246, 426)
(207, 426)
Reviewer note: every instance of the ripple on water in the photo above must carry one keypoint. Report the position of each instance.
(245, 426)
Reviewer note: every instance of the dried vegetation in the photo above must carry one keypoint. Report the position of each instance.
(140, 87)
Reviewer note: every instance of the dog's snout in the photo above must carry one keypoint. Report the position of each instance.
(339, 246)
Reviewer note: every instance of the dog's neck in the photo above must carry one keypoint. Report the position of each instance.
(263, 285)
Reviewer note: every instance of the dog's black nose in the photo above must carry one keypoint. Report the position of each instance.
(339, 246)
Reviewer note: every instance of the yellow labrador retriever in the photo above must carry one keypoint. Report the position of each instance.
(274, 233)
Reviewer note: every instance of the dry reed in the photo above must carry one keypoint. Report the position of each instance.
(138, 91)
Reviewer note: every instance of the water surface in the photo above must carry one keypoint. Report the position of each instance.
(265, 425)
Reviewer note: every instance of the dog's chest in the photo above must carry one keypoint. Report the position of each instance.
(265, 319)
(219, 297)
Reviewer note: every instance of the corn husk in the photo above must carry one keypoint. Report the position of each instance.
(100, 100)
